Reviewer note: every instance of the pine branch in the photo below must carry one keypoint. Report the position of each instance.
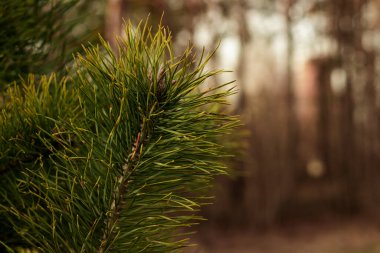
(129, 155)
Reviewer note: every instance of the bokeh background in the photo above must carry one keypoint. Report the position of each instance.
(307, 174)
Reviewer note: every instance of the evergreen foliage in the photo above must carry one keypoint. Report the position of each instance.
(33, 37)
(116, 157)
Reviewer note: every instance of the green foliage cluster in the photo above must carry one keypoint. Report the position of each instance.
(28, 111)
(116, 157)
(33, 37)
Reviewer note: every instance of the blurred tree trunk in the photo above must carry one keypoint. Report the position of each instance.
(113, 22)
(346, 18)
(241, 186)
(245, 39)
(371, 127)
(346, 42)
(324, 147)
(370, 133)
(292, 141)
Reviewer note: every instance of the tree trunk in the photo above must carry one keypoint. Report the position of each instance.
(113, 22)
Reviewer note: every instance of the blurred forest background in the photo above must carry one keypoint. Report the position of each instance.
(309, 96)
(308, 74)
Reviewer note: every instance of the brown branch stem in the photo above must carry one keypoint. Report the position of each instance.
(120, 189)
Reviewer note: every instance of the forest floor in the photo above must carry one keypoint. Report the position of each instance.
(354, 235)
